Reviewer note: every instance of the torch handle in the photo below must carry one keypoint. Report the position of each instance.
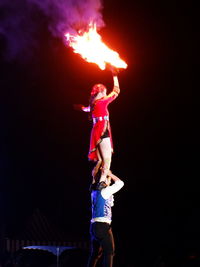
(113, 69)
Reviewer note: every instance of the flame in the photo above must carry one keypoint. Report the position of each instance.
(90, 46)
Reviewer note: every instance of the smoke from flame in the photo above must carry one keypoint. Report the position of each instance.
(22, 20)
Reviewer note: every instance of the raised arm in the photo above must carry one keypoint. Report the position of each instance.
(115, 71)
(116, 88)
(115, 187)
(114, 177)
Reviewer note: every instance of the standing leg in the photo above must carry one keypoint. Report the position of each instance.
(106, 155)
(102, 241)
(97, 166)
(108, 246)
(95, 254)
(95, 247)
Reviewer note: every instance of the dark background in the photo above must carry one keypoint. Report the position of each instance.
(44, 141)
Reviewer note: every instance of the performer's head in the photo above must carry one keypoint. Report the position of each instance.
(96, 183)
(98, 89)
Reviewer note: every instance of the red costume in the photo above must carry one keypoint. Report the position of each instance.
(101, 123)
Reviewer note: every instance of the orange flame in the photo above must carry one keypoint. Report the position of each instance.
(91, 48)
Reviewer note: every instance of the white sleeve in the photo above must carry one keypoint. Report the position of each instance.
(110, 190)
(86, 109)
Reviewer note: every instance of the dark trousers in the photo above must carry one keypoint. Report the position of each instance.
(102, 244)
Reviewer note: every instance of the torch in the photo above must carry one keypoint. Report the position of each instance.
(89, 45)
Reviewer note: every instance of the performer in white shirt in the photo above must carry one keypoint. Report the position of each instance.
(102, 241)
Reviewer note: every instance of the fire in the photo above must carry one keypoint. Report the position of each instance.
(90, 46)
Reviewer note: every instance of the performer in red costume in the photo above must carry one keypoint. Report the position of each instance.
(101, 145)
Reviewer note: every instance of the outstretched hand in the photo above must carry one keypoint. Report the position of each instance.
(78, 107)
(113, 69)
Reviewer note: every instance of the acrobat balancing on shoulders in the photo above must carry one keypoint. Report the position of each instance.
(101, 144)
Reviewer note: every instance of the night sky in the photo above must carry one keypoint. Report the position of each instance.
(44, 141)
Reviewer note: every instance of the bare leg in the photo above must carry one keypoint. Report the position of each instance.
(106, 154)
(97, 166)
